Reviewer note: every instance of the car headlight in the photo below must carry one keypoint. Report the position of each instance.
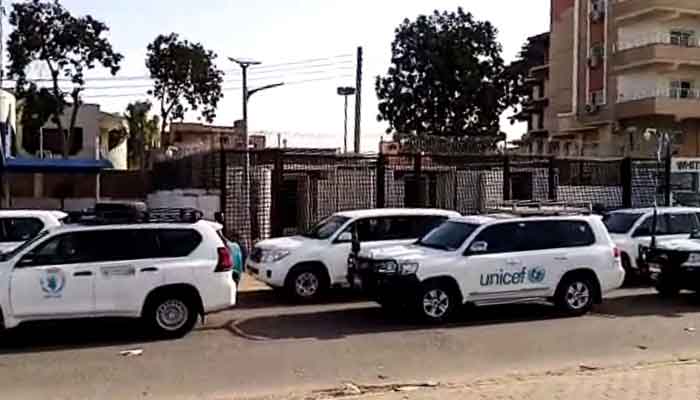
(387, 267)
(409, 268)
(270, 256)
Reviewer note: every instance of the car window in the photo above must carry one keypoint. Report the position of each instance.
(69, 248)
(134, 244)
(620, 222)
(326, 227)
(645, 228)
(681, 223)
(424, 224)
(571, 234)
(19, 229)
(501, 238)
(448, 236)
(178, 242)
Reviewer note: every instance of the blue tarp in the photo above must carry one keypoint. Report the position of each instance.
(49, 165)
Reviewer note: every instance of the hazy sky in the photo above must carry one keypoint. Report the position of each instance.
(282, 31)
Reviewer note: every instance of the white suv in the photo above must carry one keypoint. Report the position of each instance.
(18, 226)
(570, 261)
(631, 228)
(306, 265)
(168, 274)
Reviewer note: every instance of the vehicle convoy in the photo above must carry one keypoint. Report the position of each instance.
(672, 265)
(306, 265)
(632, 228)
(18, 226)
(167, 269)
(483, 260)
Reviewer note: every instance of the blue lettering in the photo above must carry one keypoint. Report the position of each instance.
(512, 278)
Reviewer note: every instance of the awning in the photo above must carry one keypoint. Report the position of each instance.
(57, 165)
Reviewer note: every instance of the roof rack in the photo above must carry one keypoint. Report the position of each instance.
(133, 213)
(541, 208)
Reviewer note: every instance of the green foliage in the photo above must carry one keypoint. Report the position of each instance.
(44, 32)
(446, 79)
(144, 132)
(532, 54)
(186, 77)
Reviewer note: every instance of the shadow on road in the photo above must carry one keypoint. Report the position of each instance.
(336, 324)
(276, 298)
(72, 335)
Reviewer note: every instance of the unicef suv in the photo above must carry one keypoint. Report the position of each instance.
(570, 261)
(305, 266)
(167, 268)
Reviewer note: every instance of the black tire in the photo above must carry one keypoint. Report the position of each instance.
(306, 284)
(436, 302)
(171, 315)
(575, 295)
(667, 288)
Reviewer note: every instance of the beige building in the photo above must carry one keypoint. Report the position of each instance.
(615, 69)
(200, 137)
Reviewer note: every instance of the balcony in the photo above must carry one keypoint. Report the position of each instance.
(681, 104)
(632, 11)
(657, 49)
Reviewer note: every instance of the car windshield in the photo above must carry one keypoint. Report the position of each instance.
(449, 236)
(621, 222)
(17, 250)
(326, 228)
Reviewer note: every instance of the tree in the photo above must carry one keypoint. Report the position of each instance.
(446, 79)
(533, 53)
(185, 74)
(45, 32)
(144, 132)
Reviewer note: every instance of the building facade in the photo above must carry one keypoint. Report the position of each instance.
(616, 71)
(204, 138)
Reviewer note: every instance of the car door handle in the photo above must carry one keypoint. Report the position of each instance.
(513, 262)
(561, 258)
(149, 269)
(82, 273)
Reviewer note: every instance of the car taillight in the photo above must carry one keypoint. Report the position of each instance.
(225, 262)
(616, 252)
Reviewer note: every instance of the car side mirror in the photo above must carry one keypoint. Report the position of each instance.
(219, 217)
(345, 237)
(478, 247)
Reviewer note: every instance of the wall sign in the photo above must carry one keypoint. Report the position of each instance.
(685, 165)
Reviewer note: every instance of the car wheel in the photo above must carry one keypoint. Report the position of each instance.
(306, 284)
(436, 303)
(667, 288)
(575, 295)
(171, 316)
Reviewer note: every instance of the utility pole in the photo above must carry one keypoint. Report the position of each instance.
(358, 100)
(345, 92)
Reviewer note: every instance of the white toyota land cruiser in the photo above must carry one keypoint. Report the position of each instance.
(570, 261)
(305, 266)
(167, 273)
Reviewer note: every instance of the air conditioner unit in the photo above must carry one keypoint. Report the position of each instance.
(592, 108)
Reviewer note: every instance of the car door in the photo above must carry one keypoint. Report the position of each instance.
(680, 225)
(129, 271)
(643, 230)
(56, 279)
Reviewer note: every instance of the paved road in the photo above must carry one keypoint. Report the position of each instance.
(265, 347)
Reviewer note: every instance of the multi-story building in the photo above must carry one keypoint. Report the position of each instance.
(200, 137)
(617, 68)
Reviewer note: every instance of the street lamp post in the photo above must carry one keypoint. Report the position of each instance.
(244, 64)
(346, 91)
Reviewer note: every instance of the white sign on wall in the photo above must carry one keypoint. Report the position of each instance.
(685, 165)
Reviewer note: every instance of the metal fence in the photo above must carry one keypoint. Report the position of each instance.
(289, 190)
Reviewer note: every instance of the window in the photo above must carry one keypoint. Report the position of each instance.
(177, 242)
(645, 228)
(679, 224)
(52, 141)
(501, 238)
(682, 89)
(683, 38)
(70, 248)
(19, 229)
(620, 222)
(133, 244)
(424, 225)
(327, 227)
(449, 236)
(569, 234)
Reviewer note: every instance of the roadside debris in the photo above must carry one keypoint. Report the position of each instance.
(690, 330)
(584, 367)
(131, 353)
(642, 347)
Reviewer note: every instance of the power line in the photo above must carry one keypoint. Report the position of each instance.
(226, 89)
(292, 65)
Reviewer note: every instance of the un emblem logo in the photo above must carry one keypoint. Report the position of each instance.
(536, 275)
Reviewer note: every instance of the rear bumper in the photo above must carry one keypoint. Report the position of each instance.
(221, 295)
(611, 279)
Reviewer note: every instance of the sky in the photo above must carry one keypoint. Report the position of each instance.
(307, 111)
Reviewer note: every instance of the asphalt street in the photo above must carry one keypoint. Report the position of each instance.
(267, 347)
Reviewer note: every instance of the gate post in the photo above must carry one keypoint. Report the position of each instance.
(277, 195)
(381, 181)
(626, 177)
(506, 178)
(552, 179)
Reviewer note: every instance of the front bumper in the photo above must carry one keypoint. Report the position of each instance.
(380, 286)
(270, 274)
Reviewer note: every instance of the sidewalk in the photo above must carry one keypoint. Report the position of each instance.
(678, 380)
